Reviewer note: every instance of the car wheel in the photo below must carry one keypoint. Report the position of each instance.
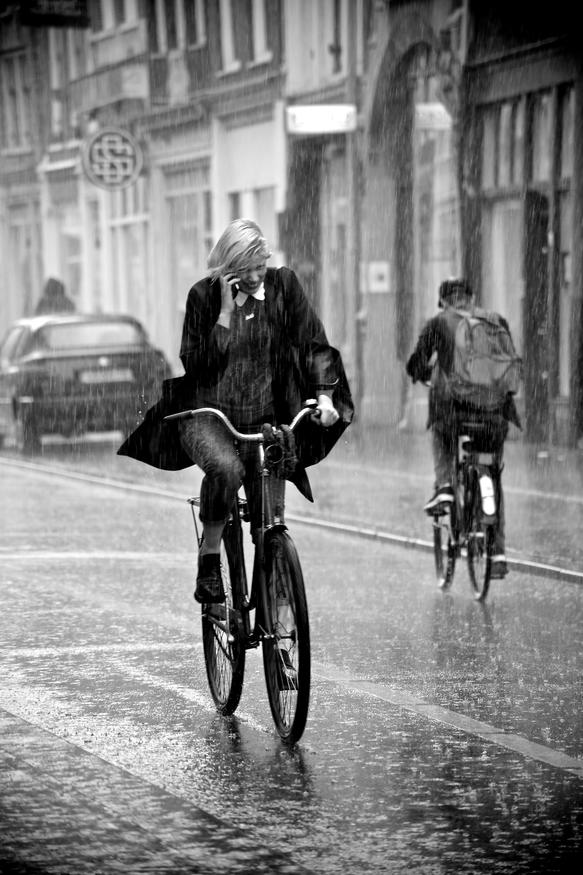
(26, 432)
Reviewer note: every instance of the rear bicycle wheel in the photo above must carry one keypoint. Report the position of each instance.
(223, 639)
(286, 655)
(480, 546)
(444, 551)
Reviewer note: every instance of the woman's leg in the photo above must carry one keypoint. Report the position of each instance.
(210, 446)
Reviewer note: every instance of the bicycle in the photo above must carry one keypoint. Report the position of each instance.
(272, 612)
(468, 525)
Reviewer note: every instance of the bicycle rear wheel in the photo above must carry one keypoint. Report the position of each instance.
(223, 639)
(480, 546)
(286, 655)
(444, 558)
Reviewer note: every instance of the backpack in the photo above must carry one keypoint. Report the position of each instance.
(486, 367)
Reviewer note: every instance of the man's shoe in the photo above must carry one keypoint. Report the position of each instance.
(499, 569)
(443, 496)
(209, 584)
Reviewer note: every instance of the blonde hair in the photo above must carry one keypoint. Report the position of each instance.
(241, 243)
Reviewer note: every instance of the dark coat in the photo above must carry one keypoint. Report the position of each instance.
(54, 299)
(436, 345)
(303, 365)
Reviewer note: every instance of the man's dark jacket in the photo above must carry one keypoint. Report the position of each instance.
(435, 346)
(303, 365)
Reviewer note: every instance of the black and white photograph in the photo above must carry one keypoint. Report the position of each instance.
(291, 437)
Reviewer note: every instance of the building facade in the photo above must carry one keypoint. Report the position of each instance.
(461, 150)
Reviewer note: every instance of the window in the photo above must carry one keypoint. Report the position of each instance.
(542, 139)
(518, 143)
(234, 205)
(15, 101)
(194, 22)
(567, 133)
(119, 12)
(335, 47)
(505, 146)
(177, 24)
(10, 344)
(81, 335)
(230, 63)
(129, 235)
(189, 215)
(489, 123)
(260, 50)
(170, 18)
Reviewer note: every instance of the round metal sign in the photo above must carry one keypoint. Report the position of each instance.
(112, 159)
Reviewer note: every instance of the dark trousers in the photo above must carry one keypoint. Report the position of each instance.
(445, 447)
(226, 464)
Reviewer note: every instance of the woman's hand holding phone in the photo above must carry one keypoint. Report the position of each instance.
(229, 289)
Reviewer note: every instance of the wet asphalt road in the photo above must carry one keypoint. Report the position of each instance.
(442, 736)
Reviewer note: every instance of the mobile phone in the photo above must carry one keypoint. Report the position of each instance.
(235, 289)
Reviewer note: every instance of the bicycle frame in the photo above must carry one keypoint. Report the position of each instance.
(272, 517)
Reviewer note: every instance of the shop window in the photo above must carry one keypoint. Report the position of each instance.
(542, 138)
(518, 143)
(565, 291)
(129, 230)
(505, 146)
(234, 205)
(567, 133)
(502, 282)
(265, 213)
(188, 201)
(489, 126)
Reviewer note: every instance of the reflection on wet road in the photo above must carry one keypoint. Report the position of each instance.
(400, 766)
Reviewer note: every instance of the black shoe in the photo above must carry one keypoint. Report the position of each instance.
(499, 569)
(443, 496)
(209, 584)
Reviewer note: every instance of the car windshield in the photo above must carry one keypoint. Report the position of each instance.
(76, 335)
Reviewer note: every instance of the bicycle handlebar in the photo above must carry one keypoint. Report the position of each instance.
(309, 407)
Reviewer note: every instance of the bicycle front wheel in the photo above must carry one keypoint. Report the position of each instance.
(223, 641)
(480, 546)
(286, 653)
(444, 551)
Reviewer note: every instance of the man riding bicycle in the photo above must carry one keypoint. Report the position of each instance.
(436, 346)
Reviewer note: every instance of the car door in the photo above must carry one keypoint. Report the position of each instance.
(12, 342)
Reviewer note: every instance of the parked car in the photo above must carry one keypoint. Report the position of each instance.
(73, 373)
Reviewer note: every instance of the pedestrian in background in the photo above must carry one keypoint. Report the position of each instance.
(54, 299)
(254, 348)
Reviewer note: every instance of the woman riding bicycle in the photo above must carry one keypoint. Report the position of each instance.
(436, 346)
(254, 348)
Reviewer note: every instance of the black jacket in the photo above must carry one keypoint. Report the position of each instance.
(436, 345)
(303, 365)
